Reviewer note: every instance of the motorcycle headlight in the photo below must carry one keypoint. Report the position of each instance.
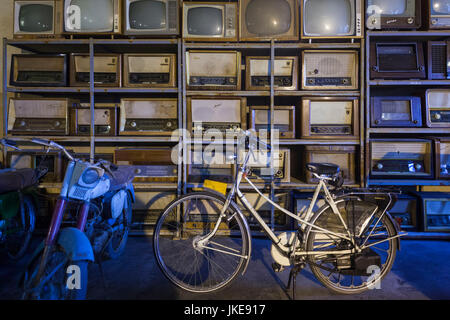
(90, 176)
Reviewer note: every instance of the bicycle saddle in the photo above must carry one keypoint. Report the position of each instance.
(327, 169)
(17, 179)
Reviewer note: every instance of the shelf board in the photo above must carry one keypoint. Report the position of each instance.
(279, 93)
(136, 185)
(408, 82)
(48, 89)
(408, 33)
(53, 138)
(409, 130)
(135, 90)
(278, 45)
(137, 139)
(287, 142)
(405, 182)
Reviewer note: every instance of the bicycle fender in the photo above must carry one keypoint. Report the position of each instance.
(76, 244)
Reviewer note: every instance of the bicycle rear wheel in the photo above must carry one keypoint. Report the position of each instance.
(340, 272)
(181, 257)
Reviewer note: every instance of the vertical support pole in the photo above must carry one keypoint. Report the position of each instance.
(185, 145)
(180, 115)
(272, 138)
(5, 93)
(365, 114)
(91, 96)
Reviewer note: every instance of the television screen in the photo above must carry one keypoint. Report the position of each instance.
(205, 21)
(440, 7)
(390, 7)
(268, 17)
(36, 18)
(89, 15)
(328, 17)
(147, 14)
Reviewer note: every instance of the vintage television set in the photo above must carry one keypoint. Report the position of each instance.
(438, 14)
(39, 116)
(107, 70)
(258, 73)
(435, 211)
(259, 166)
(401, 158)
(390, 111)
(330, 118)
(210, 21)
(151, 17)
(37, 19)
(52, 160)
(92, 16)
(393, 14)
(437, 108)
(212, 164)
(152, 164)
(148, 116)
(284, 120)
(148, 206)
(405, 212)
(150, 70)
(343, 156)
(105, 116)
(268, 19)
(397, 60)
(213, 70)
(442, 157)
(439, 60)
(281, 220)
(332, 18)
(225, 114)
(330, 70)
(39, 70)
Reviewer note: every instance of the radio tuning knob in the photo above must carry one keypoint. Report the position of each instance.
(437, 116)
(316, 71)
(418, 166)
(133, 124)
(434, 21)
(410, 20)
(415, 121)
(379, 166)
(23, 123)
(137, 171)
(57, 123)
(377, 121)
(169, 124)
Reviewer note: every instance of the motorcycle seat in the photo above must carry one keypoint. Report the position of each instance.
(121, 176)
(327, 169)
(17, 179)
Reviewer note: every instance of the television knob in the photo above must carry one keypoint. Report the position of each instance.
(379, 166)
(410, 20)
(375, 68)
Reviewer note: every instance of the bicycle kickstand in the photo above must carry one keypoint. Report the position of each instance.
(293, 277)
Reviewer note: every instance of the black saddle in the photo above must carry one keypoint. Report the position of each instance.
(326, 169)
(17, 179)
(120, 177)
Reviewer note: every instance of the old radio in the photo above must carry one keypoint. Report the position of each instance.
(107, 70)
(438, 12)
(329, 69)
(33, 70)
(330, 118)
(32, 116)
(52, 160)
(148, 116)
(258, 73)
(401, 158)
(395, 112)
(437, 108)
(343, 156)
(37, 19)
(226, 114)
(284, 120)
(259, 166)
(404, 212)
(438, 60)
(212, 165)
(397, 60)
(148, 206)
(442, 156)
(97, 156)
(150, 70)
(104, 119)
(150, 164)
(403, 14)
(435, 210)
(264, 209)
(210, 21)
(213, 70)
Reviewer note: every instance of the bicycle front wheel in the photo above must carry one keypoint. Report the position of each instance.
(191, 263)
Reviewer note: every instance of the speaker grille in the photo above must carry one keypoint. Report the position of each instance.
(438, 58)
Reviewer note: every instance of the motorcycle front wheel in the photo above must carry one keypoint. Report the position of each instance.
(62, 278)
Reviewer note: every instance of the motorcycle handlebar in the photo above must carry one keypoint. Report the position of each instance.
(9, 143)
(52, 144)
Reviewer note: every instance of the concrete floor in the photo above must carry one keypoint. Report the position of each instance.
(421, 272)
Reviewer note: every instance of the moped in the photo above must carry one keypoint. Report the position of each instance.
(90, 223)
(18, 206)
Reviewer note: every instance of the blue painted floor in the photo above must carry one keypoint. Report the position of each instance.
(421, 271)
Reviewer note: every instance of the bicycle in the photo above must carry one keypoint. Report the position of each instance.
(202, 240)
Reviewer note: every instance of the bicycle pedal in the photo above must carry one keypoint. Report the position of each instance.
(277, 267)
